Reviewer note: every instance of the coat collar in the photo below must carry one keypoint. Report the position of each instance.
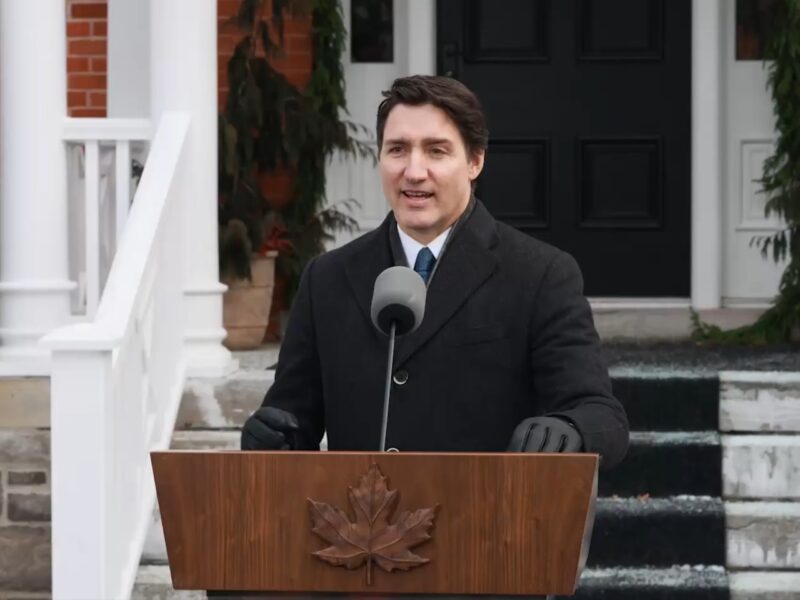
(467, 262)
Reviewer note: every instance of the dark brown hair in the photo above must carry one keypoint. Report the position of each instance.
(445, 93)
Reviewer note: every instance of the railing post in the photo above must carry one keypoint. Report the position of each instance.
(92, 227)
(81, 476)
(122, 196)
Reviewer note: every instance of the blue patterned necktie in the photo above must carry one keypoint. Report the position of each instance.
(424, 263)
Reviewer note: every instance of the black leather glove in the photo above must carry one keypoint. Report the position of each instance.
(545, 434)
(270, 428)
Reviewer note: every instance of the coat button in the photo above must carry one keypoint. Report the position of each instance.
(400, 377)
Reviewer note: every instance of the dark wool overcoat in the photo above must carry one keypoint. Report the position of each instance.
(507, 334)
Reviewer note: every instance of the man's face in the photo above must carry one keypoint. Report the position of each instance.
(426, 170)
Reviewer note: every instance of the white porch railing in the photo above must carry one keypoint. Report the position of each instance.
(116, 386)
(100, 152)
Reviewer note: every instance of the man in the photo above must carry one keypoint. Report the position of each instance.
(506, 357)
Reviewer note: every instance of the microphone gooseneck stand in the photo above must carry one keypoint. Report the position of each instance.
(388, 387)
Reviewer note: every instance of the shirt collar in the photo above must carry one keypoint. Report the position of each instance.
(411, 247)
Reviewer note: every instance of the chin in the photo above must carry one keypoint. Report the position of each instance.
(415, 222)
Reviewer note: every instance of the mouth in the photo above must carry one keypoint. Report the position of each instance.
(416, 196)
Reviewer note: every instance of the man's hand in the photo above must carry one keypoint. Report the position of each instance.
(270, 428)
(545, 434)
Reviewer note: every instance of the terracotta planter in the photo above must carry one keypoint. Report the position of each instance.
(246, 304)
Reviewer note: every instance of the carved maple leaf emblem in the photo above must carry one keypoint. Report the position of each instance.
(370, 537)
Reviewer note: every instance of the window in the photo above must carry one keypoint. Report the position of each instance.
(372, 31)
(752, 22)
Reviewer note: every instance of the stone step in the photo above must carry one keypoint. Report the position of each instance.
(25, 448)
(153, 582)
(686, 582)
(765, 585)
(763, 535)
(223, 403)
(635, 532)
(25, 402)
(657, 401)
(758, 402)
(761, 466)
(667, 464)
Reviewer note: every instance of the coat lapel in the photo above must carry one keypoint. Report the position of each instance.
(369, 262)
(466, 264)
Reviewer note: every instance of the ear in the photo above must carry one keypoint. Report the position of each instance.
(475, 165)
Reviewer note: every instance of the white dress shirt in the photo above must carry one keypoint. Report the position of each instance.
(411, 247)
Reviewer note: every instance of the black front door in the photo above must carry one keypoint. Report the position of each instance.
(589, 109)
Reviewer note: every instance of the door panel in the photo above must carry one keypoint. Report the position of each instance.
(588, 104)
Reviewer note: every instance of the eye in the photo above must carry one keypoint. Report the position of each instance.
(394, 149)
(438, 151)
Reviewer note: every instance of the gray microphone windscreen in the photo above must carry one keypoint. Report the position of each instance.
(399, 297)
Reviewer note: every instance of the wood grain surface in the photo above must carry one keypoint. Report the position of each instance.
(506, 523)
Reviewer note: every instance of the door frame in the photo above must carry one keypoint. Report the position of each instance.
(708, 29)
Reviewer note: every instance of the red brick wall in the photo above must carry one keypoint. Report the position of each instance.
(86, 57)
(87, 51)
(295, 65)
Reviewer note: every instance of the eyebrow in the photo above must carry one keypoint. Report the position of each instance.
(425, 142)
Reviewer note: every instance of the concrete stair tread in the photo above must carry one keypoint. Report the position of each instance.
(643, 505)
(261, 358)
(706, 576)
(763, 535)
(679, 358)
(765, 585)
(155, 583)
(633, 532)
(667, 463)
(654, 402)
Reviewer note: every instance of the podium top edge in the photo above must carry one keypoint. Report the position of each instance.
(373, 453)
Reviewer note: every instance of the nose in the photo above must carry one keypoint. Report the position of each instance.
(416, 169)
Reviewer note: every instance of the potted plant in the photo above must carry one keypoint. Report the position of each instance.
(247, 302)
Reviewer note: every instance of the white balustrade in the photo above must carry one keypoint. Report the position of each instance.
(101, 150)
(117, 380)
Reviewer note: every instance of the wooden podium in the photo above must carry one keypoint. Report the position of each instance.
(278, 523)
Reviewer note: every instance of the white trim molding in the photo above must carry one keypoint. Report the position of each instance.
(106, 130)
(707, 156)
(752, 154)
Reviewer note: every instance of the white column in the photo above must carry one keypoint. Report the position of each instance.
(34, 285)
(707, 215)
(183, 76)
(421, 40)
(128, 58)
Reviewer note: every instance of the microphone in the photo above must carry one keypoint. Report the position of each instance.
(398, 306)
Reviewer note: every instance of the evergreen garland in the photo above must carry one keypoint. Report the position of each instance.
(781, 183)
